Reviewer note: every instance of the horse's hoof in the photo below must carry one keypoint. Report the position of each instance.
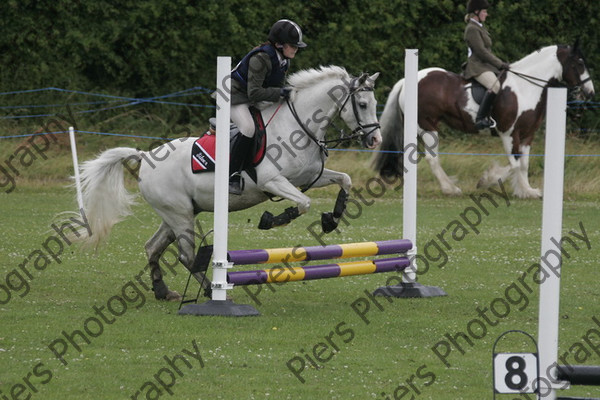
(266, 221)
(173, 296)
(529, 194)
(160, 289)
(328, 222)
(453, 191)
(485, 182)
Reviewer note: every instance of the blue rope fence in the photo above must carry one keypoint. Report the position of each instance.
(340, 150)
(110, 99)
(132, 101)
(124, 102)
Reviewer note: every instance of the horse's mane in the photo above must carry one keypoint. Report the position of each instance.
(309, 77)
(532, 58)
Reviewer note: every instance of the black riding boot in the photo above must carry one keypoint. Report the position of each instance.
(483, 119)
(240, 155)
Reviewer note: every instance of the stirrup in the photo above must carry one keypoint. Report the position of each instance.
(236, 183)
(485, 123)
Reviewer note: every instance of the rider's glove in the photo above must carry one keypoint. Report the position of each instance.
(285, 92)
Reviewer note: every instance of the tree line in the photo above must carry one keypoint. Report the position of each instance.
(151, 47)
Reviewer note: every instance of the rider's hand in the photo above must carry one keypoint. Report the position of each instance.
(505, 66)
(285, 92)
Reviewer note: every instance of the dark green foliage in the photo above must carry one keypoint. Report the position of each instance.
(152, 47)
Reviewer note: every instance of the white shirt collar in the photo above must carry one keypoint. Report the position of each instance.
(477, 22)
(282, 61)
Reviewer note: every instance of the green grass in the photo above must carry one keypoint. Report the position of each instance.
(54, 166)
(582, 178)
(245, 358)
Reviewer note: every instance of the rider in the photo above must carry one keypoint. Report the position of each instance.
(259, 77)
(482, 64)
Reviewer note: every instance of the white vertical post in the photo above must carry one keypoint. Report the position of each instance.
(221, 212)
(554, 160)
(409, 210)
(76, 168)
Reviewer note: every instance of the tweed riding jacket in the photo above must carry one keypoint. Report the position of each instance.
(481, 58)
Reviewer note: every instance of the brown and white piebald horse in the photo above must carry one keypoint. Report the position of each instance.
(519, 109)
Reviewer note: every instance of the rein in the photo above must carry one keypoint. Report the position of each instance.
(311, 135)
(530, 78)
(322, 147)
(343, 137)
(358, 132)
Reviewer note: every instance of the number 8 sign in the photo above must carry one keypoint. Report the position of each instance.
(515, 372)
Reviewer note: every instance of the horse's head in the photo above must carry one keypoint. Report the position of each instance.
(575, 73)
(360, 110)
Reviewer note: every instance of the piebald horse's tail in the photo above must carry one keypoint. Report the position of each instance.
(389, 160)
(106, 201)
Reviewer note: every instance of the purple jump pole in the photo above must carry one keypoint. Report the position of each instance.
(286, 274)
(291, 254)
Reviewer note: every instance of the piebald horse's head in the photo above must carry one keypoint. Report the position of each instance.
(575, 73)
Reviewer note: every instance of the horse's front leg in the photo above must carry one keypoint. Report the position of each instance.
(280, 186)
(522, 187)
(517, 169)
(330, 220)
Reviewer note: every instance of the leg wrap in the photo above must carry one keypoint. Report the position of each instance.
(160, 289)
(268, 221)
(340, 204)
(329, 221)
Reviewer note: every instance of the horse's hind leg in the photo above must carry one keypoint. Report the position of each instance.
(155, 247)
(181, 225)
(431, 144)
(493, 174)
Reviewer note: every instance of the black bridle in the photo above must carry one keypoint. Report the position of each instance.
(358, 132)
(571, 64)
(573, 58)
(361, 128)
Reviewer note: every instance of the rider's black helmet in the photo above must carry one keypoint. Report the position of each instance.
(286, 31)
(475, 5)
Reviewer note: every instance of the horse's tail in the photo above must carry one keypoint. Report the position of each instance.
(106, 201)
(389, 160)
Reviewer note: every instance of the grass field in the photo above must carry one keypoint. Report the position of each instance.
(314, 339)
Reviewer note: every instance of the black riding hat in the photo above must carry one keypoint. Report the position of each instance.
(475, 5)
(286, 31)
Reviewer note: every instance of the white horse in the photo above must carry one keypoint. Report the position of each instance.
(519, 110)
(294, 159)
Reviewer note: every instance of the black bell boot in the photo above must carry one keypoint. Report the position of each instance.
(240, 155)
(483, 119)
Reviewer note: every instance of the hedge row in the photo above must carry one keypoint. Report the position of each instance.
(152, 47)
